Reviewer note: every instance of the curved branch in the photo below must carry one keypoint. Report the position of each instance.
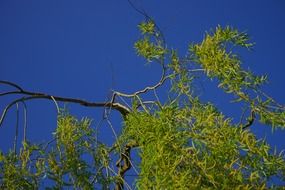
(160, 82)
(160, 39)
(36, 95)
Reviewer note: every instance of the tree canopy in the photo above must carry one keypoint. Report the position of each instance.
(177, 143)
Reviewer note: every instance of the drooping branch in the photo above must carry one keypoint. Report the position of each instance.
(28, 95)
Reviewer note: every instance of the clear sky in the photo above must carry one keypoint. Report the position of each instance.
(83, 49)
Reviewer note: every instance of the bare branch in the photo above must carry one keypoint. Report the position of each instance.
(160, 82)
(37, 95)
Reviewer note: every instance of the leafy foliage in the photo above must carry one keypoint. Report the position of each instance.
(195, 146)
(16, 171)
(219, 62)
(182, 143)
(212, 54)
(149, 46)
(76, 159)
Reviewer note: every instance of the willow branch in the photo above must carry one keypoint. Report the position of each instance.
(25, 121)
(148, 88)
(37, 95)
(16, 129)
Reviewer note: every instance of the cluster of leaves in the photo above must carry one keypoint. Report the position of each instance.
(76, 159)
(219, 62)
(16, 171)
(215, 56)
(149, 46)
(73, 140)
(195, 146)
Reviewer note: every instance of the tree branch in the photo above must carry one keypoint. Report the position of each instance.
(124, 164)
(38, 95)
(250, 120)
(158, 84)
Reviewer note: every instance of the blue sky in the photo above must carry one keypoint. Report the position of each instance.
(83, 49)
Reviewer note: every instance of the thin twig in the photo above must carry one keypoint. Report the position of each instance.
(161, 81)
(157, 98)
(16, 129)
(242, 115)
(56, 105)
(147, 102)
(113, 130)
(25, 122)
(196, 70)
(125, 102)
(270, 98)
